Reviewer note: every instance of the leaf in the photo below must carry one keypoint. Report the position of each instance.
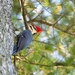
(47, 2)
(58, 9)
(70, 6)
(48, 31)
(49, 47)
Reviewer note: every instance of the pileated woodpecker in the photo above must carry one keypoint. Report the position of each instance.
(25, 38)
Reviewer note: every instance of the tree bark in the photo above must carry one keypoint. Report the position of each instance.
(6, 38)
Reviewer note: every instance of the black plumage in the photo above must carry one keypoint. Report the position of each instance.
(23, 40)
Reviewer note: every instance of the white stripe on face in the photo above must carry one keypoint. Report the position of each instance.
(32, 29)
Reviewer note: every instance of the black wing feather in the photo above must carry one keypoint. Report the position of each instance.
(23, 40)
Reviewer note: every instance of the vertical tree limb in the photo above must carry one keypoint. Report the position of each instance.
(23, 13)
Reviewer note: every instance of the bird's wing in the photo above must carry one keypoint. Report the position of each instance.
(15, 49)
(21, 43)
(19, 40)
(23, 40)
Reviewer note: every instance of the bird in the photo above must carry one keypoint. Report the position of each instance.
(24, 38)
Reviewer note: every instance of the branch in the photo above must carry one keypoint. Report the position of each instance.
(69, 27)
(41, 42)
(66, 31)
(43, 7)
(23, 13)
(60, 18)
(48, 24)
(54, 64)
(39, 64)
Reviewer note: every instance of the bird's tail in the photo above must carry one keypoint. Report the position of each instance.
(15, 49)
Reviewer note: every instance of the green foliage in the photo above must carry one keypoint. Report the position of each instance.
(47, 2)
(16, 6)
(57, 19)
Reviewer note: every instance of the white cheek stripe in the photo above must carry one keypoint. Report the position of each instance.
(32, 30)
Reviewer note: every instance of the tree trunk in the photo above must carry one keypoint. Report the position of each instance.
(6, 38)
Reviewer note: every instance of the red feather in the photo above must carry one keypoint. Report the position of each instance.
(38, 29)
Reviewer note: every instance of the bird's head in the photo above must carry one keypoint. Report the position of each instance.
(34, 29)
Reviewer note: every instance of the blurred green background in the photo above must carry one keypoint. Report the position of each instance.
(53, 51)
